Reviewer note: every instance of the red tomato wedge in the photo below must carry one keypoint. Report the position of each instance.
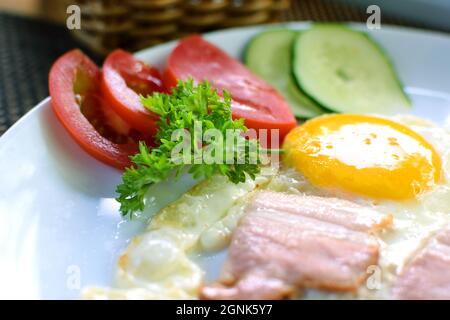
(74, 89)
(256, 101)
(123, 79)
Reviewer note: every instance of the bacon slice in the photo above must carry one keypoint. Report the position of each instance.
(286, 242)
(333, 210)
(427, 276)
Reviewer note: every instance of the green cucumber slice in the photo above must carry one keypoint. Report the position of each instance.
(268, 55)
(345, 71)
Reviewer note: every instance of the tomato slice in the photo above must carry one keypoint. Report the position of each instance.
(256, 101)
(74, 88)
(123, 79)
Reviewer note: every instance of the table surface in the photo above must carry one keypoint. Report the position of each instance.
(28, 47)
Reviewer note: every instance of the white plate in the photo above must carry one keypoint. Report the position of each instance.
(59, 222)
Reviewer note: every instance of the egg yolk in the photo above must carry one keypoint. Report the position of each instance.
(366, 155)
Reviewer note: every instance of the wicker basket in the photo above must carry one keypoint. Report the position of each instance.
(135, 24)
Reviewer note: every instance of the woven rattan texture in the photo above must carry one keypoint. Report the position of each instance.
(28, 48)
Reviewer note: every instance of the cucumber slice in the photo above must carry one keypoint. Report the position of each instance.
(268, 55)
(345, 71)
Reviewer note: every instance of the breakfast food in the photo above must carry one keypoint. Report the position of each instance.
(357, 207)
(159, 262)
(346, 71)
(262, 106)
(427, 276)
(327, 67)
(73, 86)
(390, 233)
(123, 79)
(290, 242)
(367, 155)
(269, 55)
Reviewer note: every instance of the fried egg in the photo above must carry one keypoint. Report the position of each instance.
(414, 187)
(365, 155)
(399, 166)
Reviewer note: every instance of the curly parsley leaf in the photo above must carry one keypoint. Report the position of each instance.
(181, 111)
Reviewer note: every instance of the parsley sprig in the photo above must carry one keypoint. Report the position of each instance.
(180, 110)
